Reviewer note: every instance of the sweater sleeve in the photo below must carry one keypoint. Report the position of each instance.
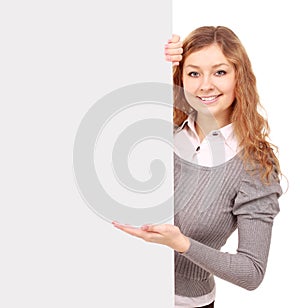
(255, 207)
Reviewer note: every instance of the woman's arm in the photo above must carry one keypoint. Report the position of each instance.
(245, 268)
(255, 209)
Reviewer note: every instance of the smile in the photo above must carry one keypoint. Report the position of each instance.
(208, 99)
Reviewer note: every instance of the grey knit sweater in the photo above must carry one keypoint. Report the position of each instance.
(210, 203)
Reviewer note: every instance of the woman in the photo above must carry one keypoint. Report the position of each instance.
(225, 171)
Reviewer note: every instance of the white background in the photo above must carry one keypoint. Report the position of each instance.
(57, 59)
(268, 30)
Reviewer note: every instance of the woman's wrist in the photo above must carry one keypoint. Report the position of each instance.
(184, 245)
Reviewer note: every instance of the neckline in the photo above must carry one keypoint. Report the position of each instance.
(223, 165)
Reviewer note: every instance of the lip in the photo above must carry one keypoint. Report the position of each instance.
(209, 99)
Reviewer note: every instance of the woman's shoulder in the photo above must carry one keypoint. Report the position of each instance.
(255, 184)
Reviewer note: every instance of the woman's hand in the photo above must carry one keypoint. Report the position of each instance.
(173, 50)
(166, 234)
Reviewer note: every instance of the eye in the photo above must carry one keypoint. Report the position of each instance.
(220, 73)
(193, 74)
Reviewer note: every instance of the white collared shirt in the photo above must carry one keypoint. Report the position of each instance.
(216, 148)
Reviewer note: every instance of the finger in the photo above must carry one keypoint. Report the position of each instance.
(173, 45)
(124, 227)
(150, 228)
(131, 230)
(158, 228)
(174, 51)
(176, 58)
(174, 39)
(117, 224)
(152, 237)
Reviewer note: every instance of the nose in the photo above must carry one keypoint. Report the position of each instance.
(206, 84)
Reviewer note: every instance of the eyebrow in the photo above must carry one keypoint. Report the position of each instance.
(214, 66)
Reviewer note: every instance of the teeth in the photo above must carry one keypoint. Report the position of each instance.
(207, 99)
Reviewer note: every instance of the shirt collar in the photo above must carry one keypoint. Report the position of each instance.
(226, 131)
(189, 121)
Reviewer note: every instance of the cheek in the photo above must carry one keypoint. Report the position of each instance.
(231, 91)
(190, 96)
(229, 88)
(190, 84)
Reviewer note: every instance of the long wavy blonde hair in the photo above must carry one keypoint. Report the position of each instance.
(250, 127)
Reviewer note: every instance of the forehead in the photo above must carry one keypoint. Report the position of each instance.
(207, 56)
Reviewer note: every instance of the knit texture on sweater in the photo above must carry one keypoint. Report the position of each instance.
(210, 203)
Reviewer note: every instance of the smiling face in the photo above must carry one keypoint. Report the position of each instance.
(209, 83)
